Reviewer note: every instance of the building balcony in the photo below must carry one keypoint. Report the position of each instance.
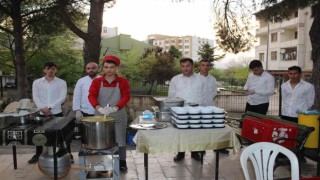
(292, 23)
(290, 43)
(262, 31)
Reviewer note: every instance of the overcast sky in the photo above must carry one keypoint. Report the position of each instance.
(139, 18)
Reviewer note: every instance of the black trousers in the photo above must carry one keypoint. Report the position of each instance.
(288, 118)
(260, 108)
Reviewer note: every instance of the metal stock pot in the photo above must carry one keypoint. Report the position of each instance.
(98, 132)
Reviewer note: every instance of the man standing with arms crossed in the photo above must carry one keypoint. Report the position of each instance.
(259, 87)
(297, 94)
(191, 88)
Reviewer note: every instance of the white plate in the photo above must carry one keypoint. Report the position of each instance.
(207, 116)
(218, 125)
(192, 110)
(181, 121)
(193, 121)
(181, 116)
(219, 116)
(218, 110)
(207, 125)
(206, 121)
(182, 126)
(218, 120)
(206, 111)
(195, 125)
(195, 116)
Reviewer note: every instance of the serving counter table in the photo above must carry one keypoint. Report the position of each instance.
(171, 139)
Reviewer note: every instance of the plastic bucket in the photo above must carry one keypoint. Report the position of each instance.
(310, 120)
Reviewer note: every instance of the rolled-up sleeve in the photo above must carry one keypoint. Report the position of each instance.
(94, 92)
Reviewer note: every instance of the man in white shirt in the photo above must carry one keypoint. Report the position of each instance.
(259, 87)
(81, 104)
(297, 94)
(190, 87)
(205, 66)
(48, 93)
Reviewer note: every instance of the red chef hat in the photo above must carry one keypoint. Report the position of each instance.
(115, 59)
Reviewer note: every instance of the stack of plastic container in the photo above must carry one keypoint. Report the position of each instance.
(197, 117)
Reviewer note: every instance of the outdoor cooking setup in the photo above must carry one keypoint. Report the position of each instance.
(24, 126)
(99, 153)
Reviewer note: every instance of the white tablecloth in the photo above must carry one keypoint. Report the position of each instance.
(171, 139)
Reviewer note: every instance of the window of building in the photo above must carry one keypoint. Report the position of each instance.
(167, 42)
(173, 41)
(261, 57)
(274, 37)
(186, 41)
(186, 52)
(296, 35)
(274, 55)
(186, 47)
(180, 41)
(180, 47)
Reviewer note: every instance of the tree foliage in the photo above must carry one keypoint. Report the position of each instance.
(207, 52)
(176, 54)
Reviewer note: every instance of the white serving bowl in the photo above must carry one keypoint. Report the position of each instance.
(193, 120)
(207, 116)
(206, 120)
(207, 125)
(218, 120)
(195, 125)
(206, 111)
(218, 116)
(182, 126)
(218, 125)
(195, 116)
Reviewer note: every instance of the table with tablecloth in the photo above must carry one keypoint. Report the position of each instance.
(171, 139)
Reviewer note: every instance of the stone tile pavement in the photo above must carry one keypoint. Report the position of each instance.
(161, 166)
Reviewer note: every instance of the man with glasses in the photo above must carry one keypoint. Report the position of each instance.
(109, 94)
(81, 104)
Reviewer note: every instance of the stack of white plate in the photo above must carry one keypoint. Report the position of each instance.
(197, 117)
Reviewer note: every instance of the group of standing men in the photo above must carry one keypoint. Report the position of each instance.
(297, 94)
(93, 95)
(109, 93)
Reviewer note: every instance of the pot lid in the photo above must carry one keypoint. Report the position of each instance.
(97, 119)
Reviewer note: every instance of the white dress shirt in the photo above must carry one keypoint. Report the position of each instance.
(49, 94)
(80, 96)
(211, 89)
(263, 87)
(191, 89)
(299, 98)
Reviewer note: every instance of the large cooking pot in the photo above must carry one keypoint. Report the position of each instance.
(165, 103)
(98, 132)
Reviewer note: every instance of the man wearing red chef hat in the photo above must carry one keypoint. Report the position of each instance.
(108, 94)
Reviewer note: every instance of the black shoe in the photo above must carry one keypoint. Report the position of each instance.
(34, 159)
(71, 158)
(223, 151)
(123, 166)
(195, 156)
(179, 156)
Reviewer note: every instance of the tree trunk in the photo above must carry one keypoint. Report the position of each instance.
(92, 40)
(20, 65)
(315, 42)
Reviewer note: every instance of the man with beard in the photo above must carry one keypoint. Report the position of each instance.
(81, 104)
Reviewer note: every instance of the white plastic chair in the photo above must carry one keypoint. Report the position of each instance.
(262, 156)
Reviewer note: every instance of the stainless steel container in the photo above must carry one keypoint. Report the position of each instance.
(165, 103)
(98, 132)
(46, 164)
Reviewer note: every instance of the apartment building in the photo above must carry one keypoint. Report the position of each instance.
(188, 45)
(286, 43)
